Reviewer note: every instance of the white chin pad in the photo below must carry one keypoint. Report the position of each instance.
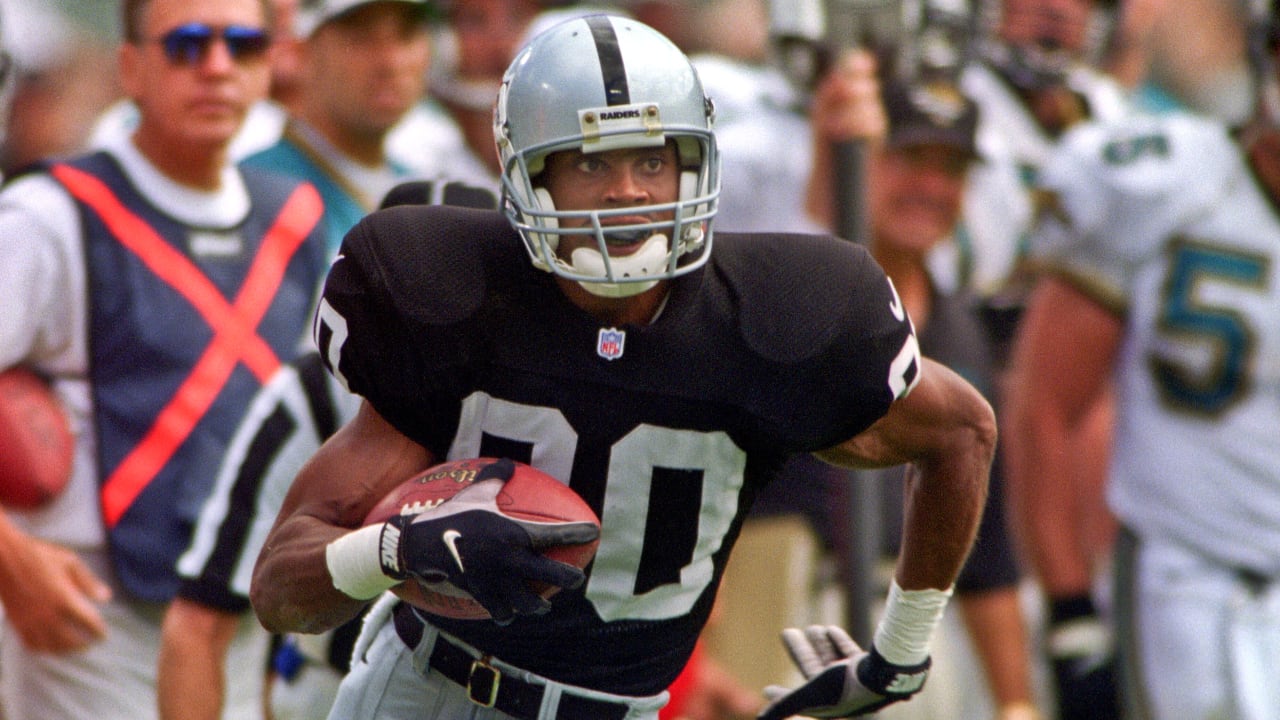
(649, 260)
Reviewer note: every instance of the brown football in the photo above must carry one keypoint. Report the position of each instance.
(530, 494)
(36, 445)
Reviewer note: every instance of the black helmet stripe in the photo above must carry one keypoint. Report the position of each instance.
(616, 91)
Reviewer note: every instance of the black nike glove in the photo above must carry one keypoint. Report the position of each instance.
(842, 679)
(1082, 659)
(468, 542)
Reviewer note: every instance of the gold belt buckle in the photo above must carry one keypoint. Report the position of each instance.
(482, 683)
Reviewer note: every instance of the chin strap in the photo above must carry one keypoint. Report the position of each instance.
(650, 259)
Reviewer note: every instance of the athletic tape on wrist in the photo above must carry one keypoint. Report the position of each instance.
(355, 563)
(910, 617)
(1082, 637)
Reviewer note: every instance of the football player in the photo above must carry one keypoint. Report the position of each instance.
(1033, 78)
(588, 329)
(1161, 246)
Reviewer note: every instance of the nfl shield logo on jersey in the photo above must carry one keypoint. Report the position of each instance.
(609, 344)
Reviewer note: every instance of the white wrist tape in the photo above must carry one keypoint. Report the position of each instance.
(355, 563)
(910, 617)
(1082, 637)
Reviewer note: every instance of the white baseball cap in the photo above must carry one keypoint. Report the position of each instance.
(314, 13)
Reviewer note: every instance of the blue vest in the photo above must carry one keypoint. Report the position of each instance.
(185, 324)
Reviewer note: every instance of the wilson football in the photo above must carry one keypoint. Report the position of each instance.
(530, 494)
(36, 445)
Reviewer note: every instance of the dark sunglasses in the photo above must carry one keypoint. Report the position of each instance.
(189, 44)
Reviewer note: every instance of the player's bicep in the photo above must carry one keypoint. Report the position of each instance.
(1064, 352)
(943, 411)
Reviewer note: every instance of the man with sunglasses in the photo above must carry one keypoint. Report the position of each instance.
(264, 120)
(158, 285)
(361, 65)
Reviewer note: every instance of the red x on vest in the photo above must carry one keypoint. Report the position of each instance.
(234, 325)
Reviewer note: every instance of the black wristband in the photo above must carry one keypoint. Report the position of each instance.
(881, 676)
(1070, 607)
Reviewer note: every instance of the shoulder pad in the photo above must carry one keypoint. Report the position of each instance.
(1112, 194)
(1153, 166)
(439, 191)
(817, 298)
(433, 262)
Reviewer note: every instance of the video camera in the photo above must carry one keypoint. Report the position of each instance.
(911, 39)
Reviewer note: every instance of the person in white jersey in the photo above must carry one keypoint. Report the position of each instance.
(1160, 243)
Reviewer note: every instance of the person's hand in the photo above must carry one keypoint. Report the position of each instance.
(847, 104)
(50, 596)
(846, 107)
(1022, 710)
(468, 542)
(715, 694)
(842, 680)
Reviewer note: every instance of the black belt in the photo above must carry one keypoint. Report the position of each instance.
(487, 686)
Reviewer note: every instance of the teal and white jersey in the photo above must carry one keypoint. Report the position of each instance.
(998, 208)
(1161, 219)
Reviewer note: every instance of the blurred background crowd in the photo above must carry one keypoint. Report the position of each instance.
(1166, 52)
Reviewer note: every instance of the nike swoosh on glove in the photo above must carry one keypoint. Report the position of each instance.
(470, 543)
(842, 680)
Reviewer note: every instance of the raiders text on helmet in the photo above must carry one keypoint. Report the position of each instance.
(595, 84)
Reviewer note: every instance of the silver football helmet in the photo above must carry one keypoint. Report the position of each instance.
(1046, 59)
(601, 83)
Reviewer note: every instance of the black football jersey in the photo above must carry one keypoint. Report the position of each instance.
(780, 344)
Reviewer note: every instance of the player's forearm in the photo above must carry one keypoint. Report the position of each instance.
(1062, 360)
(292, 590)
(1042, 498)
(945, 495)
(947, 484)
(1055, 549)
(944, 502)
(293, 587)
